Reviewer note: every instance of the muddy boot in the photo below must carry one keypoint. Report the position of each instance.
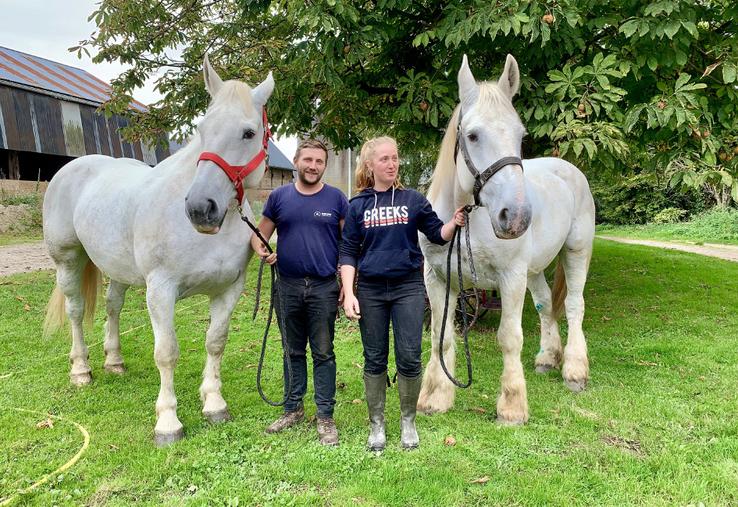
(286, 420)
(409, 389)
(375, 387)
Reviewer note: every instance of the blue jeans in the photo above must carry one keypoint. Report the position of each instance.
(310, 306)
(400, 300)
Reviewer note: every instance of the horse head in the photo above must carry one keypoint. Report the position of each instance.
(489, 138)
(233, 136)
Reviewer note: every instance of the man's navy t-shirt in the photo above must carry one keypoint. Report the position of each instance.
(307, 230)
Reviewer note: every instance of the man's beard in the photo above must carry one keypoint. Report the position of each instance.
(303, 177)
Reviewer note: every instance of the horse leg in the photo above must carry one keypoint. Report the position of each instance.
(69, 280)
(160, 300)
(214, 407)
(549, 356)
(437, 391)
(113, 303)
(512, 404)
(576, 364)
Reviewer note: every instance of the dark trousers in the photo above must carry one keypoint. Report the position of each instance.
(401, 301)
(310, 306)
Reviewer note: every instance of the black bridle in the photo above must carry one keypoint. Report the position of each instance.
(480, 178)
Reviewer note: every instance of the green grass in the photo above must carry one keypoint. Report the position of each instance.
(718, 225)
(656, 425)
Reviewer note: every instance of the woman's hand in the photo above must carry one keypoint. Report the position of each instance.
(351, 307)
(460, 217)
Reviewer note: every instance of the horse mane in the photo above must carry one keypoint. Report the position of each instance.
(444, 173)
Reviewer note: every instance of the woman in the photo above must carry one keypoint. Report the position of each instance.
(380, 240)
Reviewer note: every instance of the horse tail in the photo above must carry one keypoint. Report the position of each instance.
(56, 310)
(559, 291)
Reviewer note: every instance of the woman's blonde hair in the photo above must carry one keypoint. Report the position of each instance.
(364, 176)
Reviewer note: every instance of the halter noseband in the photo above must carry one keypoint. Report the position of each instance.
(237, 173)
(480, 178)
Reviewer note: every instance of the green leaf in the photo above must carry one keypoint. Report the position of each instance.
(734, 191)
(671, 28)
(681, 81)
(729, 73)
(629, 28)
(652, 63)
(691, 28)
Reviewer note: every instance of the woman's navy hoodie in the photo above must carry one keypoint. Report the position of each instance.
(380, 235)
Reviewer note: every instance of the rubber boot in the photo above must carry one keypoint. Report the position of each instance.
(375, 388)
(409, 389)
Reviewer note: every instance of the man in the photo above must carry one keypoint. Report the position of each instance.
(308, 216)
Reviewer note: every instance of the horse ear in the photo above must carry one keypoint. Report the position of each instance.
(261, 93)
(509, 81)
(213, 83)
(468, 87)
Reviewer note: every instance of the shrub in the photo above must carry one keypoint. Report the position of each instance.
(669, 215)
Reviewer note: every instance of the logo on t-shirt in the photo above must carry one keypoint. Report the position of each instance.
(385, 215)
(322, 214)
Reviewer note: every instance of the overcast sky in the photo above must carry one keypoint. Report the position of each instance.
(47, 28)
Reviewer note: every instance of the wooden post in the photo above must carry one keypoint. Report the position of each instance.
(13, 165)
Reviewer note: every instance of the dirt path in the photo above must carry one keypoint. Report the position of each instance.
(24, 258)
(726, 252)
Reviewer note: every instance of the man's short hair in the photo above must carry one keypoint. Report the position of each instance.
(311, 143)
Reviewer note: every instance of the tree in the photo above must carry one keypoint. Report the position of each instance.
(615, 87)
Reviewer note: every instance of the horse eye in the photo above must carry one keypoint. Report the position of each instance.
(472, 137)
(248, 134)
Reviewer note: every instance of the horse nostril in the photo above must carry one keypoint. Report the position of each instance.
(503, 215)
(211, 209)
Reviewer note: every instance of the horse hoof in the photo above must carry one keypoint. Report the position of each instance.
(544, 368)
(165, 439)
(576, 386)
(218, 417)
(118, 369)
(80, 379)
(510, 422)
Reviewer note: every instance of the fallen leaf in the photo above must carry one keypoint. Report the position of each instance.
(114, 447)
(449, 441)
(646, 363)
(605, 318)
(27, 307)
(46, 423)
(341, 385)
(479, 410)
(481, 480)
(192, 488)
(357, 401)
(358, 366)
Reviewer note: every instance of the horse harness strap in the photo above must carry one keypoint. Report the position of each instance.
(480, 178)
(237, 173)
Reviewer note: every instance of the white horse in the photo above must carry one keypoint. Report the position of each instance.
(532, 211)
(157, 227)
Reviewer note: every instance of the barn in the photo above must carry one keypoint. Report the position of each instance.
(48, 116)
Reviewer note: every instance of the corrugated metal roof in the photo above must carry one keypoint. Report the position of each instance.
(48, 76)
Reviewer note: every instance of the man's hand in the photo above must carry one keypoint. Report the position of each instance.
(341, 296)
(351, 307)
(261, 251)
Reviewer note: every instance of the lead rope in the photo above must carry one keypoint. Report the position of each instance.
(280, 316)
(457, 235)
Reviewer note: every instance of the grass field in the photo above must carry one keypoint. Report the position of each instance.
(718, 225)
(657, 425)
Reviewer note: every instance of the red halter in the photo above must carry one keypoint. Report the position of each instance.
(237, 173)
